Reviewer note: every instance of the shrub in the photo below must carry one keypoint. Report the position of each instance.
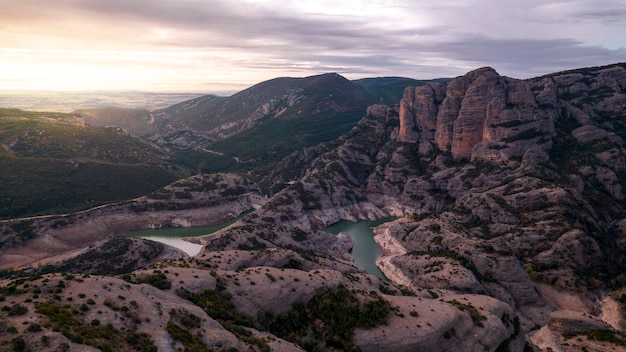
(34, 328)
(328, 320)
(607, 336)
(477, 318)
(189, 341)
(18, 309)
(141, 341)
(158, 280)
(18, 344)
(219, 306)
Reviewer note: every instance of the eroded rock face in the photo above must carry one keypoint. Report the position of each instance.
(418, 112)
(479, 116)
(520, 184)
(573, 323)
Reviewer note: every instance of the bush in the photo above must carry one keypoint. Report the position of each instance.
(17, 309)
(18, 344)
(434, 228)
(141, 341)
(328, 320)
(477, 318)
(607, 336)
(158, 280)
(218, 305)
(189, 341)
(34, 328)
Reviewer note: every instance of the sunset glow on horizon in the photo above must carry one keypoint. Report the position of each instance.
(225, 46)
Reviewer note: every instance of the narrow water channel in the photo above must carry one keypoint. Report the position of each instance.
(365, 250)
(173, 236)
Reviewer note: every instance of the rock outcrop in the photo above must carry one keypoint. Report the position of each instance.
(479, 116)
(501, 185)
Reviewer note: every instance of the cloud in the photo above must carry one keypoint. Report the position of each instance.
(255, 39)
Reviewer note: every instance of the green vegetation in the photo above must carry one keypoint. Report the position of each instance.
(31, 138)
(46, 186)
(16, 309)
(98, 260)
(328, 320)
(130, 254)
(583, 70)
(156, 279)
(105, 338)
(270, 142)
(219, 306)
(190, 342)
(389, 90)
(17, 113)
(18, 344)
(140, 341)
(445, 253)
(54, 168)
(477, 318)
(319, 109)
(607, 336)
(12, 288)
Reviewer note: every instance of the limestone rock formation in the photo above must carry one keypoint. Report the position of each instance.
(480, 110)
(500, 186)
(574, 323)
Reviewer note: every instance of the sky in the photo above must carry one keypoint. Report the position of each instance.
(223, 46)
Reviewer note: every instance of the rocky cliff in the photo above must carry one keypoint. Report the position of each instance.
(478, 110)
(501, 186)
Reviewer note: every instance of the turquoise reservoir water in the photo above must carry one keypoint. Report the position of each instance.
(173, 235)
(365, 250)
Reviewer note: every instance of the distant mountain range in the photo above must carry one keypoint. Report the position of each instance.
(68, 101)
(250, 130)
(257, 127)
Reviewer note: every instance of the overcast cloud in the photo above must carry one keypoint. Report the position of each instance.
(199, 45)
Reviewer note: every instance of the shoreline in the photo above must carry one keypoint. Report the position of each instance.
(390, 248)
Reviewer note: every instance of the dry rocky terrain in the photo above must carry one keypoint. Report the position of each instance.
(508, 199)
